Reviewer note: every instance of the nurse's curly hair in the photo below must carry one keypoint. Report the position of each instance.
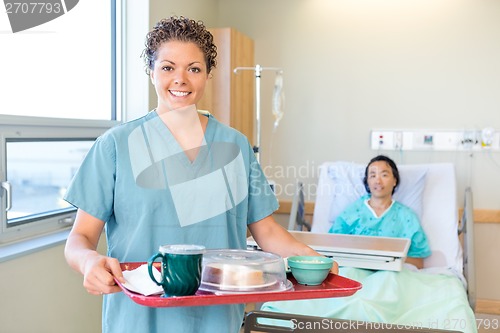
(179, 29)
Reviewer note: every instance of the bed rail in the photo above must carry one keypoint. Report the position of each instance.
(466, 228)
(297, 219)
(273, 322)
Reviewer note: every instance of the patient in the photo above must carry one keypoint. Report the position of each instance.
(377, 214)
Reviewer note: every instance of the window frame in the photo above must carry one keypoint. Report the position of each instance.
(19, 127)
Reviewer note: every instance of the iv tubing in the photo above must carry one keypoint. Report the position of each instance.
(258, 70)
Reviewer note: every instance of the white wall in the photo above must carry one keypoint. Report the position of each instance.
(351, 66)
(41, 293)
(134, 79)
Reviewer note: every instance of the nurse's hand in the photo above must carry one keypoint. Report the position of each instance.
(99, 273)
(335, 268)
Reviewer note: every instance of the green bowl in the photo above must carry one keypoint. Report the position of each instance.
(310, 270)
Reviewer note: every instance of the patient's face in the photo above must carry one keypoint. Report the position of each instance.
(381, 180)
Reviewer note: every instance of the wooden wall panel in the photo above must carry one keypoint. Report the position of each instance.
(480, 215)
(229, 96)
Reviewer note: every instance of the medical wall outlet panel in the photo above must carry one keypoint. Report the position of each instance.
(436, 140)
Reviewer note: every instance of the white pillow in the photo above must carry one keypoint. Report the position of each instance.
(348, 186)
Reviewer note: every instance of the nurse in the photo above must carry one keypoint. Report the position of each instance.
(175, 175)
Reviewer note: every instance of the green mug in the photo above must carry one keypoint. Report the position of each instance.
(180, 268)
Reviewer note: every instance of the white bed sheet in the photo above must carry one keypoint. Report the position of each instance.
(409, 298)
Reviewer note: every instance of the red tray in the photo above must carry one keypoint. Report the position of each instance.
(333, 286)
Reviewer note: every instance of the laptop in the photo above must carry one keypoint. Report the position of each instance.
(370, 252)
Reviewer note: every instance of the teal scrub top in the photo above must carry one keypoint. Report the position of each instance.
(397, 221)
(138, 180)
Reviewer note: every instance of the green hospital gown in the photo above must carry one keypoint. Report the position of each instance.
(397, 221)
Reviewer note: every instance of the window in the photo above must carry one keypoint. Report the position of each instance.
(39, 191)
(63, 68)
(59, 93)
(38, 163)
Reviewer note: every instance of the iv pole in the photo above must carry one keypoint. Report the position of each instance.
(258, 70)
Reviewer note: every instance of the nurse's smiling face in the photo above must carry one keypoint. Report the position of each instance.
(179, 75)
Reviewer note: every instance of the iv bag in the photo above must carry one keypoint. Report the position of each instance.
(278, 99)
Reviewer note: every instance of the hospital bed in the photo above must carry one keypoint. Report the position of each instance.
(439, 296)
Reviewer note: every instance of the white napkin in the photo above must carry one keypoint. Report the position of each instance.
(138, 280)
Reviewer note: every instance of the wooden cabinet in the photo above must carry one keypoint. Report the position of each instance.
(229, 96)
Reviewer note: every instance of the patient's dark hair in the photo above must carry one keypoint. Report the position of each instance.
(179, 29)
(391, 163)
